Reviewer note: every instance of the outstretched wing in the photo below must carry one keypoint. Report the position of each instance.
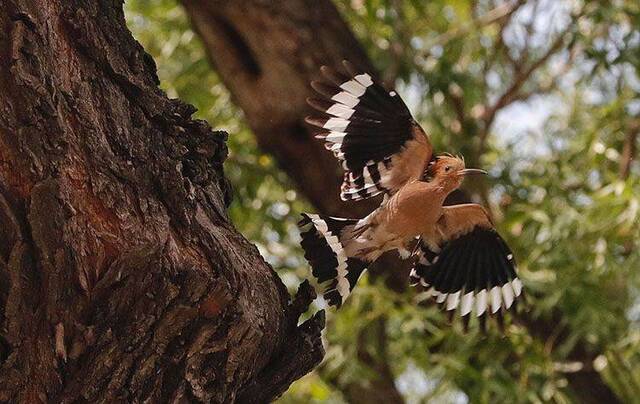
(466, 264)
(371, 131)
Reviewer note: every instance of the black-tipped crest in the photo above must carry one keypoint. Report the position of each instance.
(428, 173)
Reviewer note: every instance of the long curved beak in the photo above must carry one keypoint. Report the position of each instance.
(470, 171)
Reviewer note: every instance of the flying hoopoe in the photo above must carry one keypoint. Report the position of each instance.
(460, 258)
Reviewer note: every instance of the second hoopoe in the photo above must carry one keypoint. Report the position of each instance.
(460, 258)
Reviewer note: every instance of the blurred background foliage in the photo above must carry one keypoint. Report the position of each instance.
(545, 94)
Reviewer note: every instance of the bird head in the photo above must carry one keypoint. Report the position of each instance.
(449, 171)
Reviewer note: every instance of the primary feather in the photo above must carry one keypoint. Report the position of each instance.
(371, 131)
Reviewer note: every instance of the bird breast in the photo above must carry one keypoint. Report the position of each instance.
(415, 207)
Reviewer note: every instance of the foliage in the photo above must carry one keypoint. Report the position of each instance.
(546, 94)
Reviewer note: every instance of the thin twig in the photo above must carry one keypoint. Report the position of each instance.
(511, 94)
(397, 46)
(521, 78)
(489, 18)
(500, 45)
(629, 149)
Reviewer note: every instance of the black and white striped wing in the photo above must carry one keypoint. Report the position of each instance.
(371, 131)
(471, 270)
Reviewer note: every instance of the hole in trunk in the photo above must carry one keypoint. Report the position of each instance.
(5, 349)
(298, 131)
(241, 49)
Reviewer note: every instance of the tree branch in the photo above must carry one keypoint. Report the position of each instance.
(500, 46)
(490, 17)
(513, 92)
(629, 149)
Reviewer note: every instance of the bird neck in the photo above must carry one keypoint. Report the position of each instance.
(444, 186)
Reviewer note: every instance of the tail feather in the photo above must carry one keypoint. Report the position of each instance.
(322, 241)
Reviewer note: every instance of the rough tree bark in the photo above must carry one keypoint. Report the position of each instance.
(121, 277)
(276, 48)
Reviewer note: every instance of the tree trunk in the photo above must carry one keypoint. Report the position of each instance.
(121, 277)
(277, 48)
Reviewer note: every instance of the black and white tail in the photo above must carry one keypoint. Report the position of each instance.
(322, 241)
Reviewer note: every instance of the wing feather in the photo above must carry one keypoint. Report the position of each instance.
(370, 130)
(472, 266)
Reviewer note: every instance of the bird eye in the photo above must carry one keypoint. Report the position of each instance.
(447, 169)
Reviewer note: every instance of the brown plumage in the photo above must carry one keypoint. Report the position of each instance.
(460, 258)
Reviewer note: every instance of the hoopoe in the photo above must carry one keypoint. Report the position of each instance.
(459, 258)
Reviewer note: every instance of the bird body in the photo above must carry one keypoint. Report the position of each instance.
(413, 211)
(459, 257)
